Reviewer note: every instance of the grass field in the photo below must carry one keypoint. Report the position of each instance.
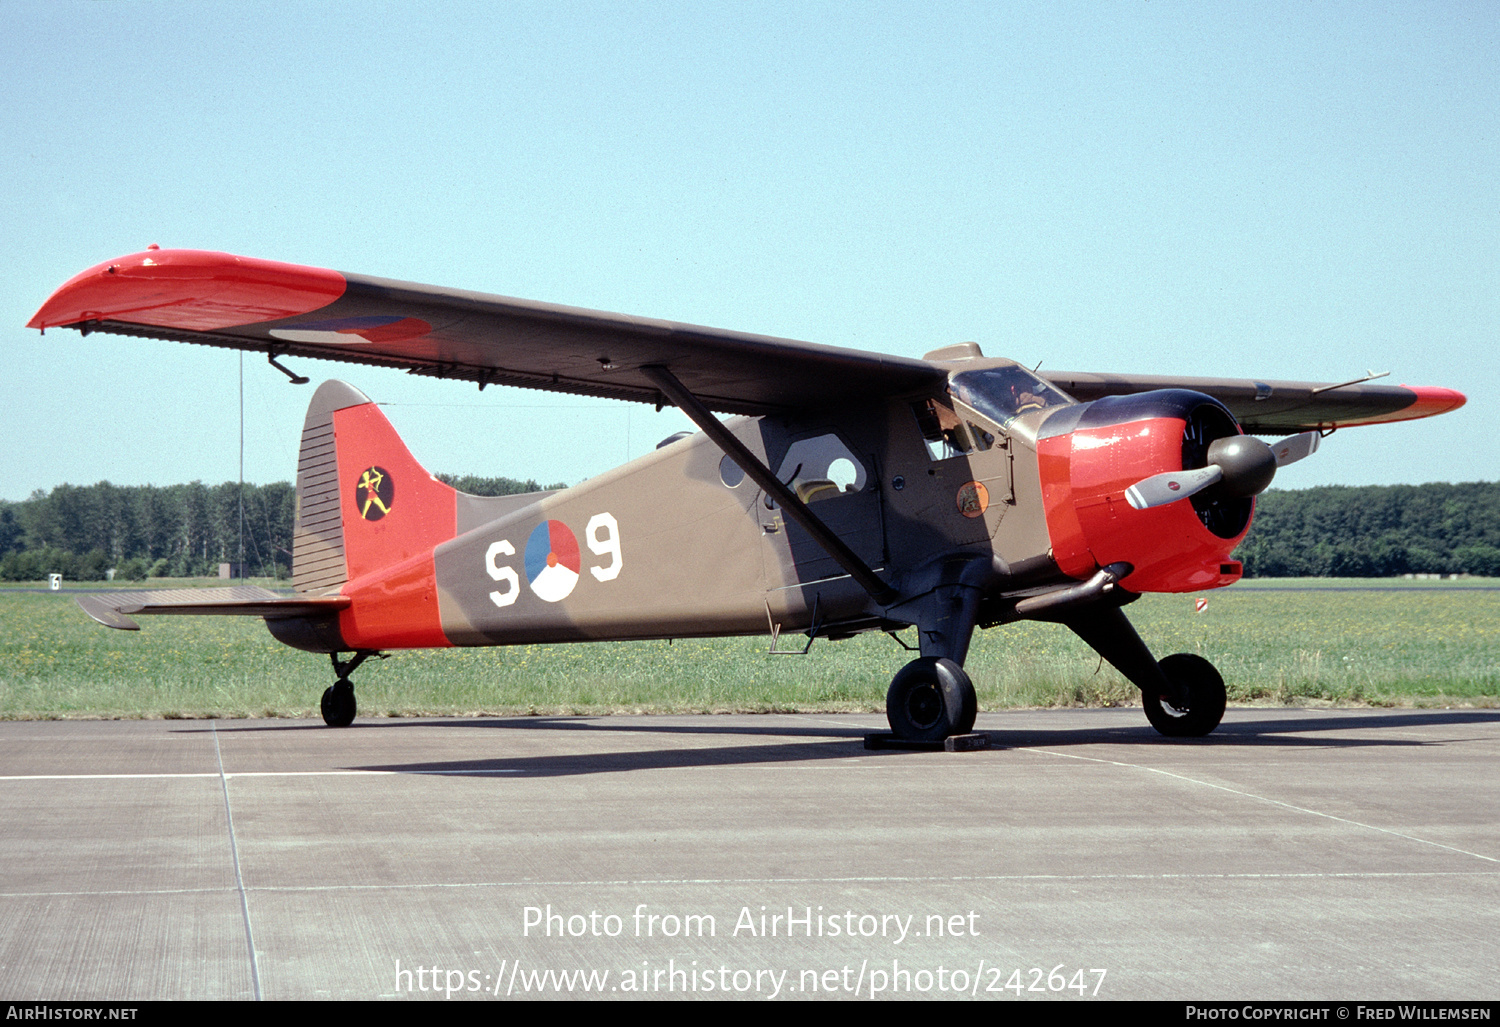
(1274, 641)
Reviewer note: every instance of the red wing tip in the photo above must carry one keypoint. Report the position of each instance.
(1434, 399)
(1427, 401)
(195, 290)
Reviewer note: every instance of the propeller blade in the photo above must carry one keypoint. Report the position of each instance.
(1290, 450)
(1170, 486)
(1243, 463)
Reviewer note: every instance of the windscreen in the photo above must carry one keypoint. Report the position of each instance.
(1005, 393)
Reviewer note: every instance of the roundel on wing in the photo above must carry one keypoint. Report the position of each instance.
(552, 560)
(374, 493)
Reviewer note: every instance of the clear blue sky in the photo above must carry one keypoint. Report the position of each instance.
(1269, 190)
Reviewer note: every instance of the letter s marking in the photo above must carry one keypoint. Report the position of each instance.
(507, 574)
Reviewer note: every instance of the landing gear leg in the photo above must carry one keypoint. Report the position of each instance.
(1183, 694)
(338, 703)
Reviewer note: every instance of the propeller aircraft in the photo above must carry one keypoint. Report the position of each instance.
(847, 492)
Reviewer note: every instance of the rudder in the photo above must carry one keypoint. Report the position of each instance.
(363, 501)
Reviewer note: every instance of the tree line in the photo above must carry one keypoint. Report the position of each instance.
(141, 531)
(1375, 531)
(178, 531)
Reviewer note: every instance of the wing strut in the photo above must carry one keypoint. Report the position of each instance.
(761, 474)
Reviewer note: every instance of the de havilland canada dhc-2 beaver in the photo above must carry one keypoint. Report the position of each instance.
(850, 491)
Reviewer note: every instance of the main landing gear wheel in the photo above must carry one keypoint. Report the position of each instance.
(1205, 702)
(338, 704)
(931, 699)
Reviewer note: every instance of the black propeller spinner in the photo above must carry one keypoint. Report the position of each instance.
(1224, 508)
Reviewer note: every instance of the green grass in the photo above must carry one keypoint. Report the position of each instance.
(1366, 583)
(1390, 646)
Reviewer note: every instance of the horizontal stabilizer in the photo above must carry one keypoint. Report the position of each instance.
(113, 609)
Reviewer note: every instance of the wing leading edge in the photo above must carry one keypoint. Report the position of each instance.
(1279, 407)
(218, 299)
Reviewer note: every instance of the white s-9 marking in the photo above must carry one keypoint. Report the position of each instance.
(602, 536)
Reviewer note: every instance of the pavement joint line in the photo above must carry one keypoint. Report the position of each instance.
(1268, 800)
(239, 880)
(716, 881)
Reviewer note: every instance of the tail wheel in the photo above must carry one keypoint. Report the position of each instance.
(931, 699)
(339, 706)
(1205, 703)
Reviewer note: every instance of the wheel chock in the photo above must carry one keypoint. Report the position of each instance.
(971, 742)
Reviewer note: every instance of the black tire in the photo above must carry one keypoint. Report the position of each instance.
(1205, 704)
(339, 706)
(929, 700)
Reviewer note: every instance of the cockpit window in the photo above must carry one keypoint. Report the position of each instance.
(1005, 393)
(945, 434)
(820, 468)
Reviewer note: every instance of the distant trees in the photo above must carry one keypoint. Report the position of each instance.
(1375, 531)
(81, 531)
(475, 486)
(141, 531)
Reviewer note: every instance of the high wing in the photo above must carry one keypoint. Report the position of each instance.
(218, 299)
(1266, 407)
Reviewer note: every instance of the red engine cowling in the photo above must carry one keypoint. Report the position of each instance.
(1089, 454)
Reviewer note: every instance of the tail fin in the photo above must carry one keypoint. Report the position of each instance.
(363, 501)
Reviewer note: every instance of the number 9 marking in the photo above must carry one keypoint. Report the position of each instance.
(602, 546)
(502, 573)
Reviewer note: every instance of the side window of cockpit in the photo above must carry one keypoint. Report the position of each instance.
(821, 468)
(945, 434)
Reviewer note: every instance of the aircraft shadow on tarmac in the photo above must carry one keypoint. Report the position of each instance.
(788, 743)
